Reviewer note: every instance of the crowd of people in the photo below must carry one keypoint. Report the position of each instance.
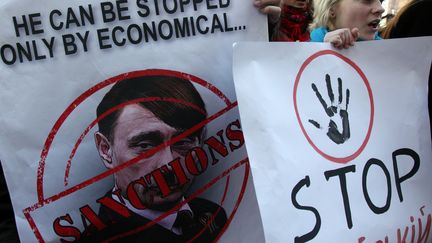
(343, 22)
(339, 22)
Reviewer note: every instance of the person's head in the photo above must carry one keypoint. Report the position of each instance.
(301, 4)
(158, 109)
(410, 21)
(336, 14)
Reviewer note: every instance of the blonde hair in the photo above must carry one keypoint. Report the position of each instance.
(321, 16)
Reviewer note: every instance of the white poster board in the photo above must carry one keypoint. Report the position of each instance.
(339, 140)
(60, 58)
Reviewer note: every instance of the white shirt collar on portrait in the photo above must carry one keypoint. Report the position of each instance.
(150, 214)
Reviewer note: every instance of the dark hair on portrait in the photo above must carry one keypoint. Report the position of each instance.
(177, 115)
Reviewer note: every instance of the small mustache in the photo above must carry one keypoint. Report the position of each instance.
(170, 178)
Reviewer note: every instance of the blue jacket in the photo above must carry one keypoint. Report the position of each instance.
(317, 35)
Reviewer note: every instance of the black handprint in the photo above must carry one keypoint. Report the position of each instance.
(333, 132)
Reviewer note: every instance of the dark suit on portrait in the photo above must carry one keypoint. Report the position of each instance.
(202, 209)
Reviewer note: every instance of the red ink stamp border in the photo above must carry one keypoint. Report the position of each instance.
(341, 160)
(42, 200)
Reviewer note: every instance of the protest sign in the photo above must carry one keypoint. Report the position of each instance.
(339, 140)
(120, 122)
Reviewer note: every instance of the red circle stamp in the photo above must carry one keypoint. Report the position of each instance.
(326, 155)
(149, 134)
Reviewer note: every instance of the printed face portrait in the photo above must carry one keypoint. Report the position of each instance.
(362, 14)
(135, 130)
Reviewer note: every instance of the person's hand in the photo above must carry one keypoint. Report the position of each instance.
(269, 7)
(342, 38)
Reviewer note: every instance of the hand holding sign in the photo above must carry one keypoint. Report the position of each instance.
(333, 132)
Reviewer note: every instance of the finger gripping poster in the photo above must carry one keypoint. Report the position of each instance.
(120, 123)
(350, 152)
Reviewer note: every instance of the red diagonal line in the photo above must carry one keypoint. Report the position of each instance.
(113, 109)
(132, 161)
(195, 194)
(33, 225)
(94, 89)
(240, 198)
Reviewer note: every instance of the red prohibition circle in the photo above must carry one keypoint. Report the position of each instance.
(42, 200)
(341, 160)
(96, 88)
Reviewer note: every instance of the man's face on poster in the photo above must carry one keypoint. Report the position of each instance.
(136, 131)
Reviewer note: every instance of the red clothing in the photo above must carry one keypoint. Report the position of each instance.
(293, 25)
